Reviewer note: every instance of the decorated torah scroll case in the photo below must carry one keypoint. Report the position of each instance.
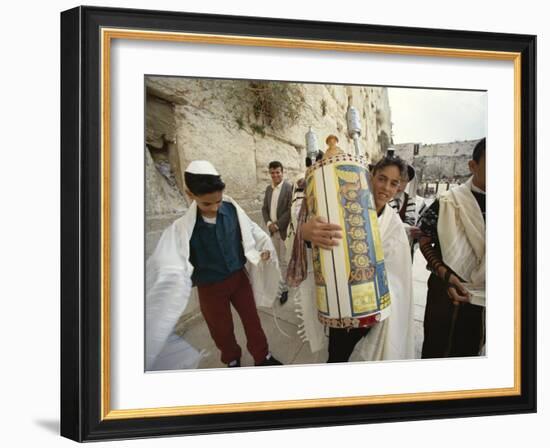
(350, 280)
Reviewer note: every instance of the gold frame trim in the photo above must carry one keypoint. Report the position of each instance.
(107, 35)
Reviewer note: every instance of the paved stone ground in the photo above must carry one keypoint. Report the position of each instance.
(288, 347)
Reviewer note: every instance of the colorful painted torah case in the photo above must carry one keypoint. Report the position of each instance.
(350, 280)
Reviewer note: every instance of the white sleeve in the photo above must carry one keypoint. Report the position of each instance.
(167, 291)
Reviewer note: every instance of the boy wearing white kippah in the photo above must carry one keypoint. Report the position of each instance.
(218, 249)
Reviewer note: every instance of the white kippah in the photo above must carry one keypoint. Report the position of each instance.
(201, 167)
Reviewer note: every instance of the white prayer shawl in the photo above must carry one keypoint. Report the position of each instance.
(394, 337)
(461, 232)
(169, 288)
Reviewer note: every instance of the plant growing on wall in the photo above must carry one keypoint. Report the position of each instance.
(267, 104)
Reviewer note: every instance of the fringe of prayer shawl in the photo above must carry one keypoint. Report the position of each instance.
(297, 265)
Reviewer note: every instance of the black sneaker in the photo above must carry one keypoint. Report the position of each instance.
(235, 363)
(270, 360)
(283, 298)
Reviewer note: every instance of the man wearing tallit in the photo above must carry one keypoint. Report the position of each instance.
(453, 244)
(216, 251)
(390, 337)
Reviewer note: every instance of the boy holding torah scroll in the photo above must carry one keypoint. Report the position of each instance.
(231, 261)
(387, 330)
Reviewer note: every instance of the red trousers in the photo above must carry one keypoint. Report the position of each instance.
(215, 300)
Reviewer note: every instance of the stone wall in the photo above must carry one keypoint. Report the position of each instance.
(441, 162)
(240, 131)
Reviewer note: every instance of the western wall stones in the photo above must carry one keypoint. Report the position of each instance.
(241, 126)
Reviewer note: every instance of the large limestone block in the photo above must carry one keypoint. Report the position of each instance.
(269, 149)
(159, 122)
(172, 89)
(199, 137)
(339, 95)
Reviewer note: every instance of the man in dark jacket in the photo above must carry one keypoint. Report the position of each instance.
(276, 214)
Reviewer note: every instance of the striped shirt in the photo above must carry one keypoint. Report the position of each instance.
(407, 211)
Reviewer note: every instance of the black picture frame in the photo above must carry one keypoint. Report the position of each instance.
(82, 408)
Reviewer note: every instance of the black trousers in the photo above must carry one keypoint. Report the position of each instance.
(441, 339)
(342, 341)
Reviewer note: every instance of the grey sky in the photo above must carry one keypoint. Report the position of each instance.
(437, 116)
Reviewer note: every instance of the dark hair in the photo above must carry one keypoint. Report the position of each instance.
(411, 172)
(200, 184)
(275, 164)
(479, 150)
(390, 161)
(318, 157)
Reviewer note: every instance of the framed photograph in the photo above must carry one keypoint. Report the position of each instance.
(156, 103)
